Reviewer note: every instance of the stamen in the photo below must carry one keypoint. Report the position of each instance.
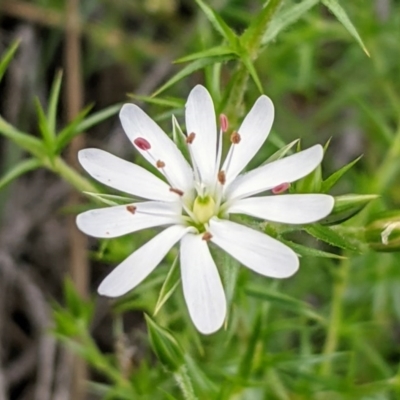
(221, 177)
(281, 188)
(160, 164)
(207, 236)
(131, 209)
(142, 143)
(235, 138)
(190, 138)
(177, 191)
(223, 120)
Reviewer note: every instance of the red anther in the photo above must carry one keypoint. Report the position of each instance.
(281, 188)
(235, 138)
(221, 177)
(190, 138)
(142, 143)
(207, 236)
(177, 191)
(223, 120)
(131, 209)
(160, 164)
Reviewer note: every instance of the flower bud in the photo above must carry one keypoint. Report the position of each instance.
(346, 207)
(383, 233)
(164, 345)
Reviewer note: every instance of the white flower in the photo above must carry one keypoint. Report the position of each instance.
(194, 202)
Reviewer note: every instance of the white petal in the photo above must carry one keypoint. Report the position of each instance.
(116, 221)
(125, 176)
(137, 124)
(287, 208)
(288, 169)
(253, 133)
(202, 287)
(255, 250)
(200, 119)
(141, 263)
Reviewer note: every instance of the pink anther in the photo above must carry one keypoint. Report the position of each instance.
(223, 120)
(281, 188)
(142, 143)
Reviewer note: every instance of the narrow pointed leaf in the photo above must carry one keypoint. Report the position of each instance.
(252, 37)
(29, 143)
(47, 135)
(328, 183)
(219, 24)
(252, 71)
(213, 52)
(338, 11)
(109, 199)
(287, 17)
(53, 102)
(169, 286)
(7, 57)
(20, 169)
(97, 117)
(170, 102)
(305, 251)
(330, 236)
(194, 66)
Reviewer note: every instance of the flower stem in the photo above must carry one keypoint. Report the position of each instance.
(59, 167)
(182, 379)
(339, 286)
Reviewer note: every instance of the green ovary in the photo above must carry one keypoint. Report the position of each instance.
(204, 208)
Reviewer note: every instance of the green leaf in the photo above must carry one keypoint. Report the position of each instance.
(252, 71)
(282, 300)
(252, 37)
(71, 130)
(213, 52)
(330, 236)
(7, 57)
(343, 18)
(328, 183)
(281, 152)
(169, 286)
(171, 102)
(189, 69)
(47, 135)
(219, 24)
(110, 199)
(310, 252)
(29, 143)
(18, 170)
(53, 102)
(287, 17)
(97, 117)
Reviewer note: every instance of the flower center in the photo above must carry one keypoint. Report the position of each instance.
(204, 208)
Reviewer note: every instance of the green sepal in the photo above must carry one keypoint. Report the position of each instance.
(180, 139)
(281, 152)
(329, 182)
(169, 286)
(164, 345)
(305, 251)
(346, 207)
(110, 199)
(310, 183)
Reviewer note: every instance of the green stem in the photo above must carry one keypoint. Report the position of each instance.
(335, 321)
(182, 379)
(59, 167)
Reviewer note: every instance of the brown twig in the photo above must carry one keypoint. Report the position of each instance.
(79, 266)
